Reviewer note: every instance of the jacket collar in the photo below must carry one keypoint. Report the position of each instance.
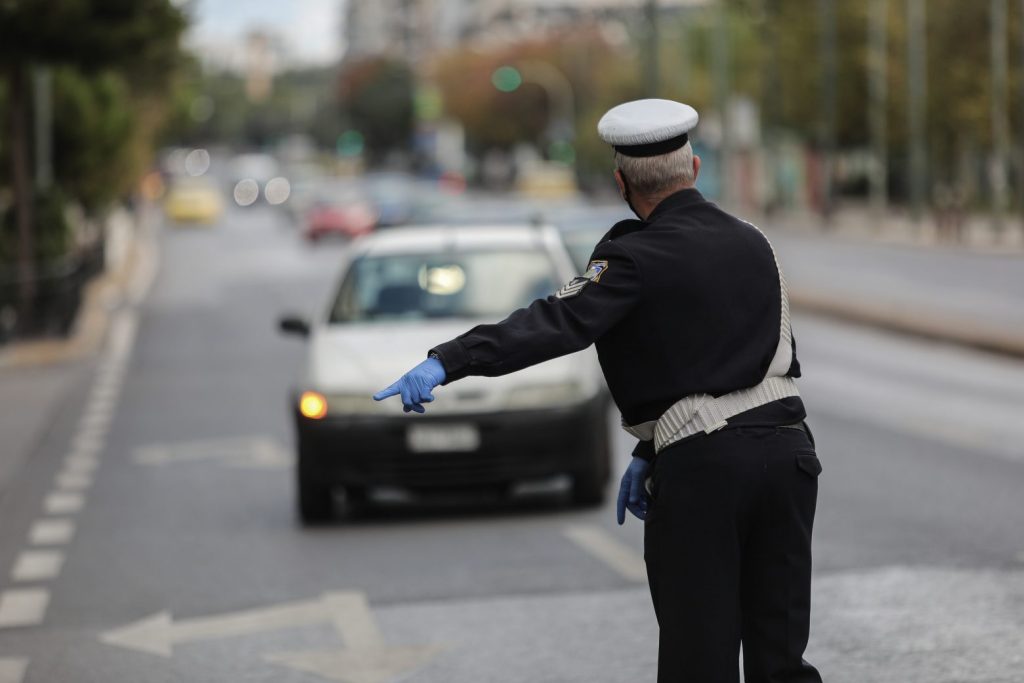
(678, 200)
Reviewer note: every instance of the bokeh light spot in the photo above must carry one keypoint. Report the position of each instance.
(507, 78)
(277, 190)
(246, 192)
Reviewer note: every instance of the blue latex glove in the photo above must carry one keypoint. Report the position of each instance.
(632, 492)
(415, 386)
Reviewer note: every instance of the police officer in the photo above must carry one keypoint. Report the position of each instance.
(688, 310)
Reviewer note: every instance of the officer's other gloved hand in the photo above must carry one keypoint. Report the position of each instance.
(632, 492)
(415, 386)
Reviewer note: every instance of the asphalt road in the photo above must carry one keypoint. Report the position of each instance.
(151, 537)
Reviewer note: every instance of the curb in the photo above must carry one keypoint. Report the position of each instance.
(127, 285)
(902, 318)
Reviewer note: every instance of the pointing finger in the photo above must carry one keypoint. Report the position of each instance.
(384, 393)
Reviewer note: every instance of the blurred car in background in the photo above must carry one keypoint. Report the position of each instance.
(582, 227)
(193, 200)
(339, 209)
(394, 197)
(402, 292)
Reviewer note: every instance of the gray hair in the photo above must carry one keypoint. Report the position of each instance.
(657, 174)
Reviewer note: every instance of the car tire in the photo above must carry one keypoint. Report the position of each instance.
(314, 496)
(590, 485)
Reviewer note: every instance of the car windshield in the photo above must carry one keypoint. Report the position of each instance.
(469, 284)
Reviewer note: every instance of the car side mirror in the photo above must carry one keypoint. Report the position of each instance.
(294, 324)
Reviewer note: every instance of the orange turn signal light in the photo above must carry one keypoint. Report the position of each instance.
(313, 405)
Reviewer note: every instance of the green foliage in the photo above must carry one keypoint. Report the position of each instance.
(377, 99)
(213, 107)
(53, 233)
(95, 130)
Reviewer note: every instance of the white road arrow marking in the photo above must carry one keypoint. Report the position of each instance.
(365, 658)
(379, 664)
(245, 452)
(159, 633)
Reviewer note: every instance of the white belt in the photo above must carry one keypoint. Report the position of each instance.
(705, 413)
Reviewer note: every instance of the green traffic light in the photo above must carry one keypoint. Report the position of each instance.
(506, 78)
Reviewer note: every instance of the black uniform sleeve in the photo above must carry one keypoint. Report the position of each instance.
(568, 321)
(644, 450)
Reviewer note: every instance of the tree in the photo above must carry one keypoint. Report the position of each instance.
(377, 98)
(139, 37)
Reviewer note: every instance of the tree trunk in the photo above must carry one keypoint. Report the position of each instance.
(22, 185)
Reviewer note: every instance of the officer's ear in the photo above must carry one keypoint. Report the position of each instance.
(696, 167)
(621, 183)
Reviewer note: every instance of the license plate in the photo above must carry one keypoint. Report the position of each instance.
(436, 438)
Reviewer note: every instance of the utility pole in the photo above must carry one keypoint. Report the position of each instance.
(720, 58)
(42, 90)
(827, 54)
(1000, 125)
(917, 93)
(1020, 122)
(652, 75)
(879, 95)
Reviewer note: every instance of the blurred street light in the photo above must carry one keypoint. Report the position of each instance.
(652, 75)
(827, 50)
(878, 92)
(917, 95)
(1000, 125)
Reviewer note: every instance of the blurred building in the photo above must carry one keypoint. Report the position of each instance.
(416, 29)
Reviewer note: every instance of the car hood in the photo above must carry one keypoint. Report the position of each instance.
(364, 358)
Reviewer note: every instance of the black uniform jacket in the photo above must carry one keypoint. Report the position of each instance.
(686, 302)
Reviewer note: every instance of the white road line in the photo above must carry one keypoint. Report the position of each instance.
(81, 462)
(51, 532)
(37, 565)
(122, 334)
(12, 669)
(609, 550)
(88, 441)
(23, 607)
(74, 480)
(95, 421)
(63, 503)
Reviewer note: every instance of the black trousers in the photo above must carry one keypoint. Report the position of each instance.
(728, 549)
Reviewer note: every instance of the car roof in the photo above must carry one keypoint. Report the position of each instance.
(429, 239)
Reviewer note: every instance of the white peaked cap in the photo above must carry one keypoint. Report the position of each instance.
(640, 123)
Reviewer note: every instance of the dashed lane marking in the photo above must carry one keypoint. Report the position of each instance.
(609, 550)
(51, 532)
(89, 441)
(23, 607)
(12, 669)
(81, 463)
(37, 565)
(63, 503)
(74, 480)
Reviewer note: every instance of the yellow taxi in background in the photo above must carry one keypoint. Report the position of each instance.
(193, 200)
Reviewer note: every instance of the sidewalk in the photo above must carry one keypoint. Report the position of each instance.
(967, 295)
(36, 376)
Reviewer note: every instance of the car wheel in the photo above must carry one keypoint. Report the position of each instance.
(590, 485)
(314, 497)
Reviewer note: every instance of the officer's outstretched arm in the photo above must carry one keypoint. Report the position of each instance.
(570, 320)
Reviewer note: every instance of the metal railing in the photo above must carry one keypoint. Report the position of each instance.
(59, 285)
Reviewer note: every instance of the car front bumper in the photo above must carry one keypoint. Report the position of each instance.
(513, 446)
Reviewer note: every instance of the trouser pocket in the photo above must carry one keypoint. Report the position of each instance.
(807, 461)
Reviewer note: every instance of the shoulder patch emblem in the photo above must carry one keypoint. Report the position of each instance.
(594, 272)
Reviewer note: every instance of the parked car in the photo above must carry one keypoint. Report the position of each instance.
(193, 200)
(401, 292)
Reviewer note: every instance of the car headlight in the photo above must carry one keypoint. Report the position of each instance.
(544, 395)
